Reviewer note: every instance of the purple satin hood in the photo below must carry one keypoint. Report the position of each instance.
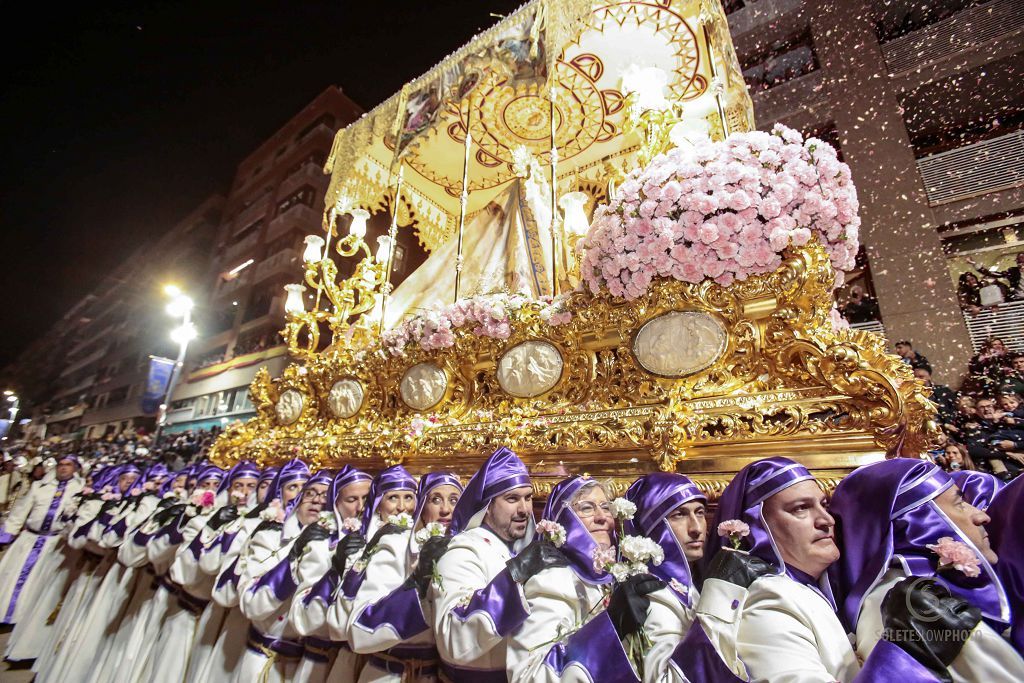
(210, 472)
(979, 488)
(655, 496)
(429, 482)
(579, 544)
(886, 511)
(72, 459)
(293, 470)
(501, 472)
(345, 476)
(1004, 532)
(743, 499)
(394, 478)
(241, 470)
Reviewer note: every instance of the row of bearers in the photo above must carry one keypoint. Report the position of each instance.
(285, 575)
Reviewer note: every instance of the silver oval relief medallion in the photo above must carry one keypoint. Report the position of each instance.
(345, 398)
(530, 368)
(423, 386)
(679, 343)
(289, 406)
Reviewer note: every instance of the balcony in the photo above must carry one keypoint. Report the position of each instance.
(974, 170)
(258, 209)
(84, 362)
(308, 173)
(286, 260)
(970, 29)
(298, 216)
(238, 252)
(1005, 322)
(322, 130)
(784, 100)
(755, 15)
(226, 288)
(66, 413)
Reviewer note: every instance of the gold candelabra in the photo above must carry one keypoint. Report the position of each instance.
(351, 303)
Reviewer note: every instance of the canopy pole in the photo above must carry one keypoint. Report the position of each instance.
(554, 199)
(393, 247)
(463, 201)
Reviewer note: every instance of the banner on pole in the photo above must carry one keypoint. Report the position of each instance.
(159, 377)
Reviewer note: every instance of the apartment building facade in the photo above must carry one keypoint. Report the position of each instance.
(922, 98)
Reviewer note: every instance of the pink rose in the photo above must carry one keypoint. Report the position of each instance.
(957, 555)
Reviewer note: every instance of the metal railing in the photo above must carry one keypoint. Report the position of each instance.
(1006, 321)
(973, 170)
(972, 27)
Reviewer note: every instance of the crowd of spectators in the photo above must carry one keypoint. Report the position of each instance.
(27, 462)
(982, 423)
(989, 287)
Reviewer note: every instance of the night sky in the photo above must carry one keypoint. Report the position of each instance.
(118, 119)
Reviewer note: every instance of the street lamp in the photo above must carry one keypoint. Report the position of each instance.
(13, 399)
(180, 306)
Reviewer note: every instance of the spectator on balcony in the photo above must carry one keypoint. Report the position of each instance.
(968, 292)
(943, 396)
(1013, 381)
(905, 350)
(993, 354)
(993, 442)
(1013, 409)
(1012, 276)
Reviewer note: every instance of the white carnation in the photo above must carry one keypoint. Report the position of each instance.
(623, 508)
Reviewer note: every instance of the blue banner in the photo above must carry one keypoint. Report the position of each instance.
(160, 370)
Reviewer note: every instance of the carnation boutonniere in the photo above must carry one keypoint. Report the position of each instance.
(273, 512)
(402, 520)
(734, 530)
(327, 521)
(956, 555)
(351, 525)
(553, 532)
(429, 531)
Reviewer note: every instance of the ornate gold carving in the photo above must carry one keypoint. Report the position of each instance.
(785, 383)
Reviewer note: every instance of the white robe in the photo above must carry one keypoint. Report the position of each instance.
(310, 620)
(986, 656)
(668, 622)
(473, 559)
(560, 606)
(35, 521)
(386, 570)
(783, 631)
(267, 614)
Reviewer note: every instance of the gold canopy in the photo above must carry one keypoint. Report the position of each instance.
(499, 86)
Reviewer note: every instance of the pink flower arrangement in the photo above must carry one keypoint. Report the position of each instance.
(149, 486)
(553, 531)
(957, 555)
(351, 525)
(487, 315)
(604, 558)
(273, 512)
(109, 495)
(203, 499)
(734, 530)
(136, 491)
(88, 490)
(722, 210)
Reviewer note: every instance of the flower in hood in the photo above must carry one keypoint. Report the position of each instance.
(402, 520)
(273, 512)
(956, 555)
(552, 531)
(734, 530)
(203, 499)
(429, 531)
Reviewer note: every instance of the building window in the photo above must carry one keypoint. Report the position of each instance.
(783, 61)
(304, 195)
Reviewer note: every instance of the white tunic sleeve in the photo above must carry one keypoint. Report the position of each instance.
(986, 656)
(20, 510)
(385, 571)
(668, 622)
(264, 554)
(308, 612)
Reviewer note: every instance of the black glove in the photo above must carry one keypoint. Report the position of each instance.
(268, 524)
(255, 512)
(310, 532)
(167, 515)
(107, 504)
(431, 551)
(921, 617)
(629, 603)
(536, 557)
(738, 568)
(382, 532)
(226, 514)
(346, 548)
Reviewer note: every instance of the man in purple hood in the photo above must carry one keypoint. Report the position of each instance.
(767, 609)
